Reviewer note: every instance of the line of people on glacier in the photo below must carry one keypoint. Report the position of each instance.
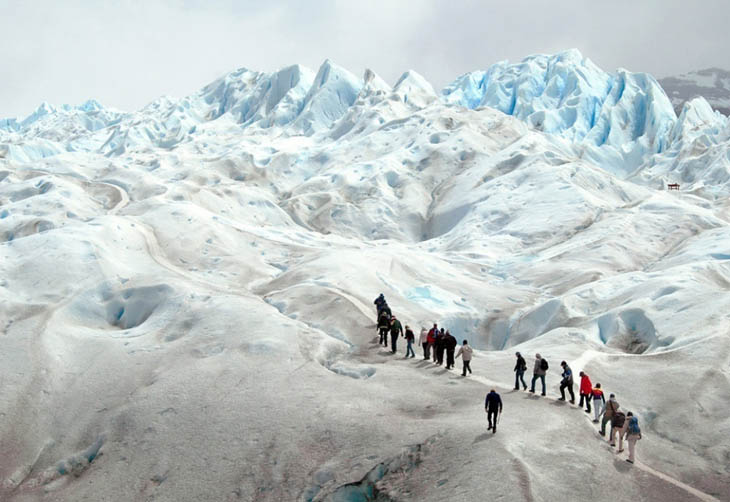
(623, 425)
(437, 341)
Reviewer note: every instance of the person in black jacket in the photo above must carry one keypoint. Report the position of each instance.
(493, 407)
(450, 345)
(383, 328)
(520, 368)
(410, 338)
(440, 339)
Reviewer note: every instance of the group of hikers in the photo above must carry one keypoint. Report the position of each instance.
(623, 425)
(436, 342)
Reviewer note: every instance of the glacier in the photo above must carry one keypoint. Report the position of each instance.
(187, 288)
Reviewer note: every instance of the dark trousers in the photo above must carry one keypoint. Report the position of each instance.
(466, 367)
(450, 358)
(426, 352)
(384, 336)
(434, 350)
(534, 379)
(588, 402)
(604, 421)
(569, 386)
(492, 419)
(393, 341)
(520, 375)
(440, 355)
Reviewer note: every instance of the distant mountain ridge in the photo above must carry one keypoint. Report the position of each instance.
(713, 84)
(618, 120)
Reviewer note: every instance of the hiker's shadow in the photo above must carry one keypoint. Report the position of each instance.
(483, 437)
(621, 465)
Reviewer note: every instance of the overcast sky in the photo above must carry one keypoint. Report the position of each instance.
(127, 53)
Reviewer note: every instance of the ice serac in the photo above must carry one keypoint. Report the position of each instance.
(334, 90)
(51, 130)
(569, 96)
(698, 156)
(698, 117)
(257, 98)
(373, 83)
(413, 89)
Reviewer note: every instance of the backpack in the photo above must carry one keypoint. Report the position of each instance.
(544, 364)
(618, 419)
(383, 321)
(634, 426)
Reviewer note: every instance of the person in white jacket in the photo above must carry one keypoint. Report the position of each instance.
(465, 351)
(423, 340)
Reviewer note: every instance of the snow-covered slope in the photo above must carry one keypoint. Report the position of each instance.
(186, 290)
(713, 84)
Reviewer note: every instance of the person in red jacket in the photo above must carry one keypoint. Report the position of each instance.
(431, 339)
(586, 390)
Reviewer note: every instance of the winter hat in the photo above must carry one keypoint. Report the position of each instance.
(612, 395)
(517, 353)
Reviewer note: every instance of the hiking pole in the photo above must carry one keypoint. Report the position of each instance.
(499, 415)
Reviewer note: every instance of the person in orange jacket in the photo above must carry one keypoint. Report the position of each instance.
(599, 402)
(586, 390)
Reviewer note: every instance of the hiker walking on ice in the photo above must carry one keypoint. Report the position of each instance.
(410, 338)
(621, 430)
(567, 382)
(395, 329)
(465, 352)
(539, 371)
(379, 302)
(383, 328)
(599, 402)
(440, 339)
(520, 368)
(450, 345)
(432, 341)
(609, 411)
(493, 407)
(632, 433)
(423, 341)
(617, 422)
(586, 391)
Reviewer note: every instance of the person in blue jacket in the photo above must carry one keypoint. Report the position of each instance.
(567, 382)
(493, 407)
(379, 301)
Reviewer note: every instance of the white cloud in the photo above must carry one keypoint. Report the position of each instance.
(127, 53)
